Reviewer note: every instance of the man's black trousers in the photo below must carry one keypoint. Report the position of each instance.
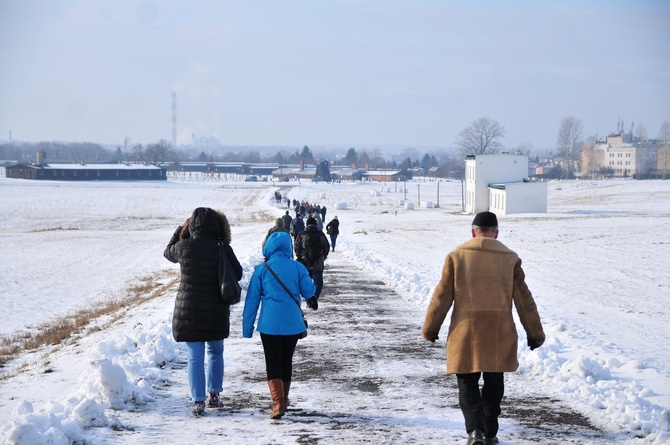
(481, 408)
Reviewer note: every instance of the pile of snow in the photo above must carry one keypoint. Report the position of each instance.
(121, 374)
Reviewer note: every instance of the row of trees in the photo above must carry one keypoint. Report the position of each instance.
(75, 151)
(482, 136)
(163, 152)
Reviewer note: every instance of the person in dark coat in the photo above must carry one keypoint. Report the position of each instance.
(280, 322)
(201, 318)
(287, 221)
(333, 229)
(315, 266)
(297, 225)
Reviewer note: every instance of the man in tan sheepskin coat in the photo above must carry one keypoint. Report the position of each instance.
(482, 278)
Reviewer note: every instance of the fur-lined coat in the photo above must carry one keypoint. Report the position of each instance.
(199, 312)
(482, 278)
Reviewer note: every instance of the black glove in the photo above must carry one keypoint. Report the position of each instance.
(433, 338)
(534, 344)
(312, 303)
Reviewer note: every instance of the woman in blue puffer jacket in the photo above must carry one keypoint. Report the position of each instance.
(280, 322)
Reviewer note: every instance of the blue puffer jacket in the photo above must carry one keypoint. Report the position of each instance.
(280, 313)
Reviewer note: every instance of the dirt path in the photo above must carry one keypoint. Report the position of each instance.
(364, 375)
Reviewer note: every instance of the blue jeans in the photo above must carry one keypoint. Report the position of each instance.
(317, 277)
(333, 240)
(196, 368)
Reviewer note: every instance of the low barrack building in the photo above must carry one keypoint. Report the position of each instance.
(87, 172)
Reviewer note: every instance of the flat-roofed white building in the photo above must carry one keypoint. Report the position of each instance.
(499, 184)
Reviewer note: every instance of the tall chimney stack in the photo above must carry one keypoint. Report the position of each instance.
(174, 119)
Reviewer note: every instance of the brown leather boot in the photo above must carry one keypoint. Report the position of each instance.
(278, 402)
(287, 387)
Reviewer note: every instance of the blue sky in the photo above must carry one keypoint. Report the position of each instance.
(357, 73)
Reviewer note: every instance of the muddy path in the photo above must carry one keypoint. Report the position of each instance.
(371, 353)
(363, 375)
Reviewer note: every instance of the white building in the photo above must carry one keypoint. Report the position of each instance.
(499, 184)
(620, 156)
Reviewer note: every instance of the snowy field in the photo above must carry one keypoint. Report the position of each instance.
(597, 264)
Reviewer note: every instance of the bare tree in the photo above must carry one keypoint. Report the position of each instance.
(641, 134)
(138, 153)
(569, 142)
(481, 137)
(155, 153)
(664, 132)
(158, 153)
(593, 160)
(525, 148)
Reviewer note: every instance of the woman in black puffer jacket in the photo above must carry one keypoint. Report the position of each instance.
(201, 318)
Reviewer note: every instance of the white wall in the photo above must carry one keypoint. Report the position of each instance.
(519, 197)
(490, 169)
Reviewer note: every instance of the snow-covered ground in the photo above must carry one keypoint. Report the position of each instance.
(597, 264)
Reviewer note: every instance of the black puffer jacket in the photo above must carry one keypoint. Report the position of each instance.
(199, 312)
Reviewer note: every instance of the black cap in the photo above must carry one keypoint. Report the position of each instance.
(311, 221)
(485, 219)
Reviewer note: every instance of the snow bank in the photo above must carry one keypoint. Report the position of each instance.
(584, 381)
(121, 373)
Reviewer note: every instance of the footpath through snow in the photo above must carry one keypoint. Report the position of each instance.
(363, 375)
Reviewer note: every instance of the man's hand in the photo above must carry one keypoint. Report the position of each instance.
(431, 338)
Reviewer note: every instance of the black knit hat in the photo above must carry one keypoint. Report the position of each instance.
(311, 221)
(485, 219)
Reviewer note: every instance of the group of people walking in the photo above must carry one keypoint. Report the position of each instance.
(201, 318)
(481, 280)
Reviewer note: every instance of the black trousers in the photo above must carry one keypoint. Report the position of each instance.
(481, 409)
(279, 351)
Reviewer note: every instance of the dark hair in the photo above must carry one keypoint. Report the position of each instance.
(491, 229)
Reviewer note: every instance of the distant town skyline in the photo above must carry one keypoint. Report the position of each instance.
(363, 74)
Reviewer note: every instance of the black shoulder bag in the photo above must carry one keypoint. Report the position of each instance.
(292, 298)
(228, 284)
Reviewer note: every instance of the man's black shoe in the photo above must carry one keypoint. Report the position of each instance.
(475, 438)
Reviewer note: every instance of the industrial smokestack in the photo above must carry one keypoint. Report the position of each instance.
(174, 119)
